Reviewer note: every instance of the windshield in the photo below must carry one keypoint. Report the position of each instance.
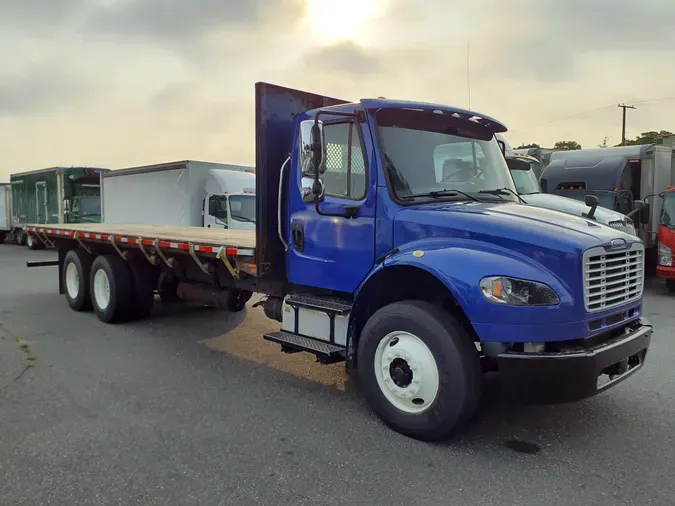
(668, 211)
(525, 181)
(242, 208)
(87, 206)
(427, 152)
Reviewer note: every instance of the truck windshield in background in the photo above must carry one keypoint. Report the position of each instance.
(242, 208)
(428, 152)
(668, 211)
(526, 181)
(87, 206)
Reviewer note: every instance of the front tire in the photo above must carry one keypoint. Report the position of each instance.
(76, 270)
(111, 288)
(419, 370)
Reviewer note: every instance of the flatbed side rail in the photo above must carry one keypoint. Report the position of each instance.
(209, 249)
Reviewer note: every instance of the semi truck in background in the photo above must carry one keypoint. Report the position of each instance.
(627, 179)
(52, 196)
(5, 210)
(184, 193)
(419, 279)
(531, 193)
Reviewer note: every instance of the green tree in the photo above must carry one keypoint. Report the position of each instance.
(527, 146)
(650, 137)
(567, 145)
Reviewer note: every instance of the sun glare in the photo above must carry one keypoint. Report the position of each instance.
(339, 20)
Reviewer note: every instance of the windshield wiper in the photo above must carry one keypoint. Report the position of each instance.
(242, 218)
(503, 191)
(439, 194)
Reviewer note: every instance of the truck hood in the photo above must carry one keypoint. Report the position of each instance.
(571, 206)
(551, 239)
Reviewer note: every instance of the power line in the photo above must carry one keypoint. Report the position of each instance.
(592, 111)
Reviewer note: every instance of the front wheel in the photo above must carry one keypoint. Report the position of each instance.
(419, 370)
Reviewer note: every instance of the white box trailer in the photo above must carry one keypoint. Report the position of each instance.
(5, 210)
(184, 193)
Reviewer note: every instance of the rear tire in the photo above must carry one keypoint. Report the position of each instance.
(32, 242)
(111, 288)
(143, 288)
(167, 287)
(419, 370)
(76, 270)
(670, 285)
(20, 237)
(237, 299)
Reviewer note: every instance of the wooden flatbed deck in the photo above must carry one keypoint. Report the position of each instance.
(207, 240)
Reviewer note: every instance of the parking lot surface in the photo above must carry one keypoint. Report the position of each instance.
(192, 406)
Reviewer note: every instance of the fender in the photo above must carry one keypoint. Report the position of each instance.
(461, 263)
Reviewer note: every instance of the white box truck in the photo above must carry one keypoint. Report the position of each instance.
(184, 193)
(5, 210)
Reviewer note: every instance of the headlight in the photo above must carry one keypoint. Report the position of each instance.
(517, 292)
(665, 255)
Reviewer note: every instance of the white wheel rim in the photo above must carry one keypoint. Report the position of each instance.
(72, 280)
(406, 372)
(101, 289)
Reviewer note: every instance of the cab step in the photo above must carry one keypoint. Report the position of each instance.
(336, 307)
(327, 353)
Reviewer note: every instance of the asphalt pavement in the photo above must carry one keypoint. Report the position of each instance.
(192, 406)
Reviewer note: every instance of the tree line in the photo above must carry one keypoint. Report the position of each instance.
(651, 137)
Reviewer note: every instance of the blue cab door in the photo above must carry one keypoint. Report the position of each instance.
(334, 252)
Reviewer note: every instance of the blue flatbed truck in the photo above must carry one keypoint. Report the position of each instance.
(378, 242)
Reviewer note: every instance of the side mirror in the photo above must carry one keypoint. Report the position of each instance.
(517, 164)
(318, 148)
(591, 201)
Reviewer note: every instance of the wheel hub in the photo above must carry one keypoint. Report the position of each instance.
(400, 373)
(406, 372)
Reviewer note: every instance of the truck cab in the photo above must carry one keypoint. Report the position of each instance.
(421, 276)
(230, 200)
(666, 240)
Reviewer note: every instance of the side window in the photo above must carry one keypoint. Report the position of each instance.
(345, 168)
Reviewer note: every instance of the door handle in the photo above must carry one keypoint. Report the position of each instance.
(298, 237)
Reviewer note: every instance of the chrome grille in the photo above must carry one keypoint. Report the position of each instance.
(613, 278)
(624, 226)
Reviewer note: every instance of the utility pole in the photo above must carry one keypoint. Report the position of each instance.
(623, 125)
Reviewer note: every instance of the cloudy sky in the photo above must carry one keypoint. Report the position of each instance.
(115, 83)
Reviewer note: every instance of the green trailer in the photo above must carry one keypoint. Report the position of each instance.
(53, 196)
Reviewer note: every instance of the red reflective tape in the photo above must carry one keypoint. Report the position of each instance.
(206, 249)
(183, 246)
(147, 242)
(230, 251)
(164, 244)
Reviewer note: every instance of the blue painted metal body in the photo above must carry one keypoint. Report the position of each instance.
(462, 242)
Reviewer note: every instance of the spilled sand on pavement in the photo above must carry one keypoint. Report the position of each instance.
(246, 341)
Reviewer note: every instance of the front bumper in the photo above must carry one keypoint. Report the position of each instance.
(665, 272)
(575, 373)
